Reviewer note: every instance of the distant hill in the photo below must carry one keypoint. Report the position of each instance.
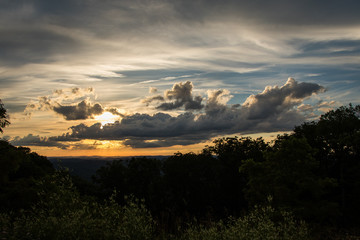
(85, 167)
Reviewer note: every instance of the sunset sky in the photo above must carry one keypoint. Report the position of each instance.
(153, 77)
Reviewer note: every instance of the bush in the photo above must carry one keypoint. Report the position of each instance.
(63, 214)
(263, 223)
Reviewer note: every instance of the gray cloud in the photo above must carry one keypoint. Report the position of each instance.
(216, 103)
(35, 140)
(275, 100)
(272, 110)
(24, 46)
(83, 110)
(79, 111)
(114, 111)
(273, 12)
(43, 31)
(179, 96)
(158, 11)
(73, 93)
(153, 99)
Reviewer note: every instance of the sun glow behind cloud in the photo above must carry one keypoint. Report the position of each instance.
(107, 117)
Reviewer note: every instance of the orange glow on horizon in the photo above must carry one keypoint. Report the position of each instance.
(116, 149)
(122, 152)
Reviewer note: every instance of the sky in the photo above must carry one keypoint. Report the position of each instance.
(153, 77)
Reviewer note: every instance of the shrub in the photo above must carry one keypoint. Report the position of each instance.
(63, 214)
(263, 223)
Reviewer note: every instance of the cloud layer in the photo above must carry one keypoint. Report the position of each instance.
(205, 62)
(274, 109)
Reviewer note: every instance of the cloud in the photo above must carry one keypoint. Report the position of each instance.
(275, 100)
(153, 99)
(35, 140)
(321, 106)
(179, 96)
(274, 12)
(73, 93)
(82, 110)
(216, 103)
(114, 111)
(23, 46)
(274, 109)
(78, 111)
(152, 90)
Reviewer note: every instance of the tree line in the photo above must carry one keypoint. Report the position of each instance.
(312, 173)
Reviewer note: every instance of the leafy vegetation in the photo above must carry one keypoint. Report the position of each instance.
(62, 213)
(262, 223)
(312, 175)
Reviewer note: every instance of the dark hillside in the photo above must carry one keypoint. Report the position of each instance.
(85, 167)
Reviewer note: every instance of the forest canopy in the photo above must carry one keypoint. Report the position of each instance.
(311, 175)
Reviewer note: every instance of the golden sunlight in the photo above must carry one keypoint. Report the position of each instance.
(106, 118)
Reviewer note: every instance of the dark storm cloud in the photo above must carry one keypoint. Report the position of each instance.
(179, 96)
(275, 109)
(83, 110)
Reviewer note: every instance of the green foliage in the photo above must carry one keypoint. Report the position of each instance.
(288, 174)
(234, 150)
(19, 169)
(263, 223)
(63, 214)
(140, 177)
(110, 177)
(193, 184)
(232, 153)
(336, 138)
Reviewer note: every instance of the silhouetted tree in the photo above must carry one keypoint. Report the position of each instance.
(19, 169)
(232, 152)
(193, 185)
(144, 181)
(140, 177)
(3, 117)
(288, 174)
(336, 138)
(111, 176)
